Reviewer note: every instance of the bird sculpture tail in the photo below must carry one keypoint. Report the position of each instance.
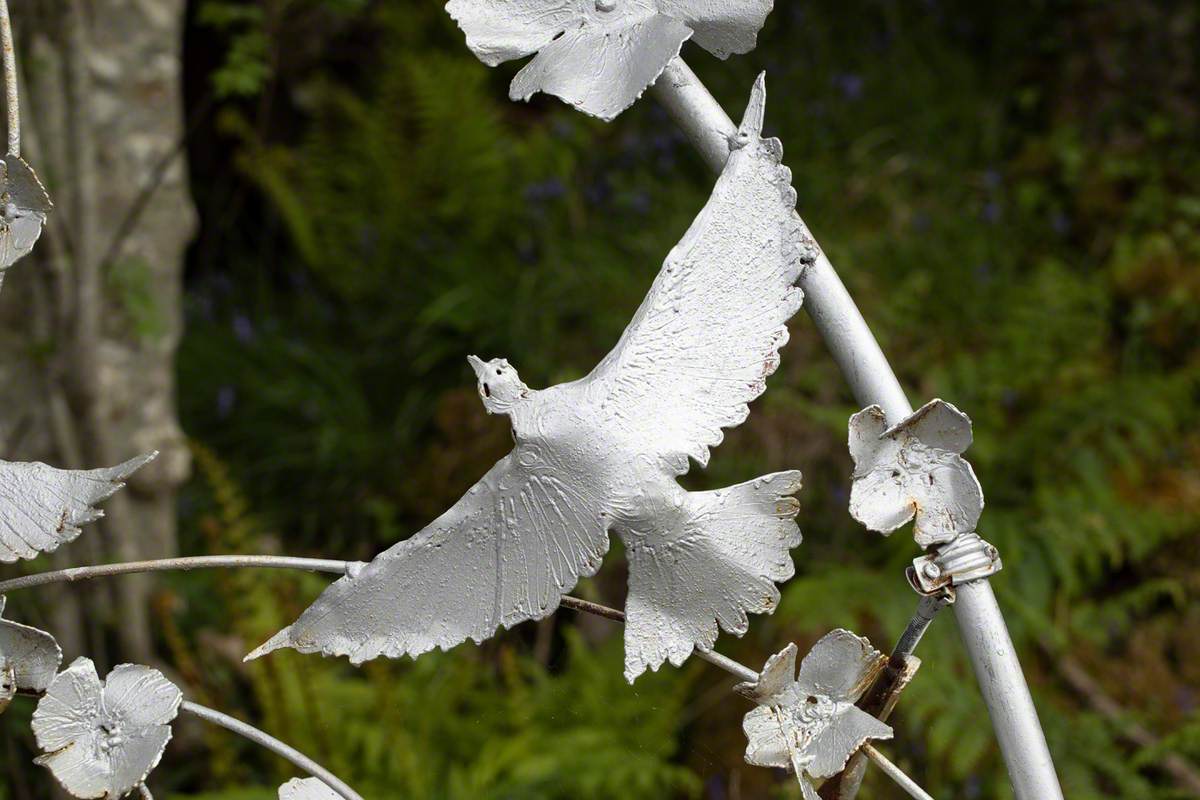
(729, 549)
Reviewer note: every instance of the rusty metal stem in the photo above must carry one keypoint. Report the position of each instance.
(853, 346)
(10, 81)
(264, 739)
(734, 668)
(896, 774)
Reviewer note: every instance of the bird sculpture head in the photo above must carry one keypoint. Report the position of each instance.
(500, 386)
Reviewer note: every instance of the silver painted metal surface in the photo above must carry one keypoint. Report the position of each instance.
(603, 453)
(914, 469)
(808, 722)
(306, 789)
(1022, 743)
(600, 55)
(43, 507)
(29, 659)
(873, 382)
(966, 558)
(24, 205)
(896, 774)
(253, 734)
(103, 739)
(11, 96)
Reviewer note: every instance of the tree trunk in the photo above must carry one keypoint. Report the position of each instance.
(92, 320)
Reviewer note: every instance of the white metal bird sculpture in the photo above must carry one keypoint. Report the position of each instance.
(602, 455)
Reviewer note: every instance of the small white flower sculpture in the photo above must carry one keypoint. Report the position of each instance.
(24, 205)
(101, 740)
(42, 507)
(915, 469)
(307, 789)
(809, 723)
(29, 659)
(600, 55)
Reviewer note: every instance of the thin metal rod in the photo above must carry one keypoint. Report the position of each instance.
(293, 755)
(734, 668)
(10, 81)
(73, 574)
(896, 774)
(927, 609)
(873, 382)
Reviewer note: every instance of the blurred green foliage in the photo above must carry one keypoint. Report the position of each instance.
(1013, 196)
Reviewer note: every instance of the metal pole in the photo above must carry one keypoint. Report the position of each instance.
(866, 369)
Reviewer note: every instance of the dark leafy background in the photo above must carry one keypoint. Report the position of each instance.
(1012, 193)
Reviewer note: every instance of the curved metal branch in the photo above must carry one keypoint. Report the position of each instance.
(167, 564)
(10, 81)
(896, 774)
(274, 745)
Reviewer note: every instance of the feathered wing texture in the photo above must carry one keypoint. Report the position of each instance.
(42, 507)
(709, 332)
(719, 565)
(506, 552)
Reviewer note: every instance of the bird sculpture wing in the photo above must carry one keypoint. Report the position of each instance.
(42, 507)
(708, 334)
(504, 553)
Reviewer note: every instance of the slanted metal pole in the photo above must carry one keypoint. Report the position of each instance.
(833, 311)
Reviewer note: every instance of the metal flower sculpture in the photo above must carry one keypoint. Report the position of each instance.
(24, 205)
(101, 740)
(600, 55)
(808, 723)
(29, 659)
(915, 469)
(602, 455)
(43, 507)
(307, 789)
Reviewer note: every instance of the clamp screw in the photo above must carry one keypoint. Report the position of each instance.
(931, 570)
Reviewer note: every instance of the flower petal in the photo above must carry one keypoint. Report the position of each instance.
(307, 789)
(881, 500)
(32, 655)
(70, 708)
(602, 70)
(777, 676)
(722, 28)
(766, 742)
(847, 731)
(949, 501)
(501, 30)
(940, 425)
(866, 431)
(135, 758)
(140, 696)
(840, 666)
(78, 768)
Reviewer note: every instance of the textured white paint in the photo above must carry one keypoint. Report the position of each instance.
(42, 507)
(103, 739)
(808, 723)
(29, 659)
(915, 469)
(602, 454)
(600, 55)
(306, 789)
(24, 205)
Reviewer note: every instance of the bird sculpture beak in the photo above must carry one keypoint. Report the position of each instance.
(477, 364)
